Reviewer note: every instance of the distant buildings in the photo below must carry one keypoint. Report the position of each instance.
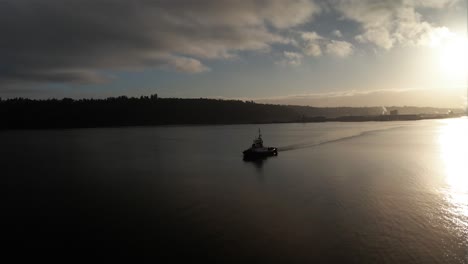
(391, 112)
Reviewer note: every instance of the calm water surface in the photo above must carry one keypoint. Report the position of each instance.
(393, 192)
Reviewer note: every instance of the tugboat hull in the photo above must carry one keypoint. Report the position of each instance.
(256, 153)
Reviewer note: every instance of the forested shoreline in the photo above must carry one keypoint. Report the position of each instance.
(21, 113)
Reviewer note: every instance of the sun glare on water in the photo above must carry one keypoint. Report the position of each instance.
(454, 150)
(453, 140)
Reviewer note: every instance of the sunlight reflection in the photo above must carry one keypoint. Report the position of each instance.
(453, 141)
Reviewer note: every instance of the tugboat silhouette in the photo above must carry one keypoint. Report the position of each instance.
(258, 151)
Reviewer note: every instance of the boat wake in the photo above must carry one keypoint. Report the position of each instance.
(331, 140)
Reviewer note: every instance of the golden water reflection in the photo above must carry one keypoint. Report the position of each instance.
(453, 140)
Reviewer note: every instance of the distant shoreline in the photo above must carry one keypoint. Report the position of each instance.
(67, 113)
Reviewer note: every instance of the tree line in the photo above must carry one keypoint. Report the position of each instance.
(20, 113)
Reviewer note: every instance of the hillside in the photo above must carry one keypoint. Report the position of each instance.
(124, 111)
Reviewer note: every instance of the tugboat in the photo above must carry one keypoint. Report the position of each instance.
(257, 150)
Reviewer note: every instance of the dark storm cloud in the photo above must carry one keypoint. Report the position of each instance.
(71, 40)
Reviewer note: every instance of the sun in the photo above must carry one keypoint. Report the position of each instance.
(453, 58)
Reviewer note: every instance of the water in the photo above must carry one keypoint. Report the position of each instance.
(384, 192)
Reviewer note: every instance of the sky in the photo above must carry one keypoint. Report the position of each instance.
(306, 52)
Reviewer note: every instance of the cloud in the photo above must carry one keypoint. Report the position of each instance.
(337, 33)
(410, 97)
(311, 36)
(76, 76)
(388, 23)
(313, 49)
(74, 40)
(431, 3)
(78, 40)
(437, 37)
(291, 59)
(378, 36)
(187, 65)
(313, 44)
(339, 48)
